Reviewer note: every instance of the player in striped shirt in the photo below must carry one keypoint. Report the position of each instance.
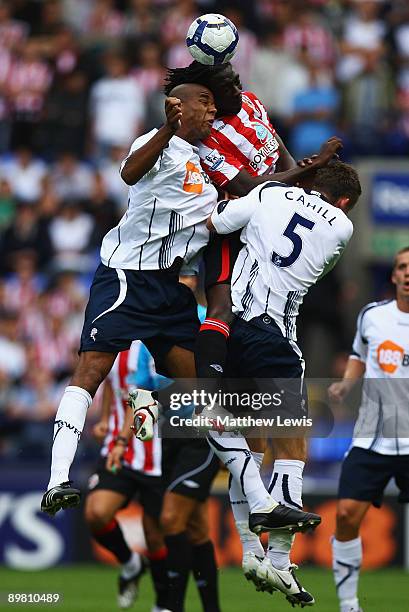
(128, 467)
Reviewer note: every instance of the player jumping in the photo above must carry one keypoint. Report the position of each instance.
(241, 152)
(291, 238)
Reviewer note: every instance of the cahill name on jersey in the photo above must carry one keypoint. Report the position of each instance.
(291, 239)
(246, 140)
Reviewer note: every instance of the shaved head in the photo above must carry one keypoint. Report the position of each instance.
(187, 90)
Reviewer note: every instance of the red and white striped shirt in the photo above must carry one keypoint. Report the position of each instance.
(246, 140)
(140, 456)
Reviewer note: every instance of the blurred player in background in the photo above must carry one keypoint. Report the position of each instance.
(380, 445)
(268, 285)
(128, 468)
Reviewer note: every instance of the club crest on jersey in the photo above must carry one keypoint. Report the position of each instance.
(262, 132)
(214, 159)
(391, 356)
(93, 333)
(193, 180)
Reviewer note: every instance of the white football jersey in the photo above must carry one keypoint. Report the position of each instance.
(167, 211)
(291, 239)
(382, 343)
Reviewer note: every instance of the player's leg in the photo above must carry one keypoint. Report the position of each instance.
(188, 470)
(347, 552)
(100, 509)
(151, 497)
(252, 549)
(157, 555)
(203, 558)
(286, 487)
(107, 330)
(91, 370)
(211, 344)
(175, 515)
(364, 476)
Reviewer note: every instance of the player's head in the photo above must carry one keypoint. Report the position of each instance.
(222, 81)
(339, 182)
(198, 110)
(400, 273)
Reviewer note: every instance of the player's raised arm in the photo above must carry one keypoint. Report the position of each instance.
(143, 159)
(244, 182)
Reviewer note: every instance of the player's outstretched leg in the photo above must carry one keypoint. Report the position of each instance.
(69, 422)
(265, 513)
(286, 487)
(253, 551)
(92, 368)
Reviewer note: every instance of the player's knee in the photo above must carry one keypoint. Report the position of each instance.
(153, 535)
(97, 515)
(172, 522)
(347, 522)
(91, 370)
(199, 535)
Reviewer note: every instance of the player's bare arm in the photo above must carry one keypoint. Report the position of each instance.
(114, 458)
(243, 183)
(354, 371)
(286, 161)
(143, 160)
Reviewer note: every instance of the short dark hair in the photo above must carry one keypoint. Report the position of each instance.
(194, 73)
(402, 250)
(339, 180)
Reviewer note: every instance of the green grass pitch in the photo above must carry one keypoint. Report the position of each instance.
(93, 588)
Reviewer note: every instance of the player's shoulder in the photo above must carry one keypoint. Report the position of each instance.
(143, 139)
(374, 310)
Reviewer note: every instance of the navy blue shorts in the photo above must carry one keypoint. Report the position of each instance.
(365, 474)
(261, 359)
(148, 305)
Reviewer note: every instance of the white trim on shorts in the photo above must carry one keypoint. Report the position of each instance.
(123, 287)
(192, 472)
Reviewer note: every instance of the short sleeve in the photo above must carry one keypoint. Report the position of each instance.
(232, 215)
(137, 144)
(360, 343)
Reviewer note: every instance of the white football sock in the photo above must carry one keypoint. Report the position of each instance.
(131, 567)
(346, 563)
(240, 508)
(234, 452)
(286, 482)
(69, 422)
(286, 487)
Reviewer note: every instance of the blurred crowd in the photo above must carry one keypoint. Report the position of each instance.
(80, 79)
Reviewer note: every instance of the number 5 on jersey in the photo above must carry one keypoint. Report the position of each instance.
(291, 234)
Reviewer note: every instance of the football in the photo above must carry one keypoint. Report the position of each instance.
(212, 39)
